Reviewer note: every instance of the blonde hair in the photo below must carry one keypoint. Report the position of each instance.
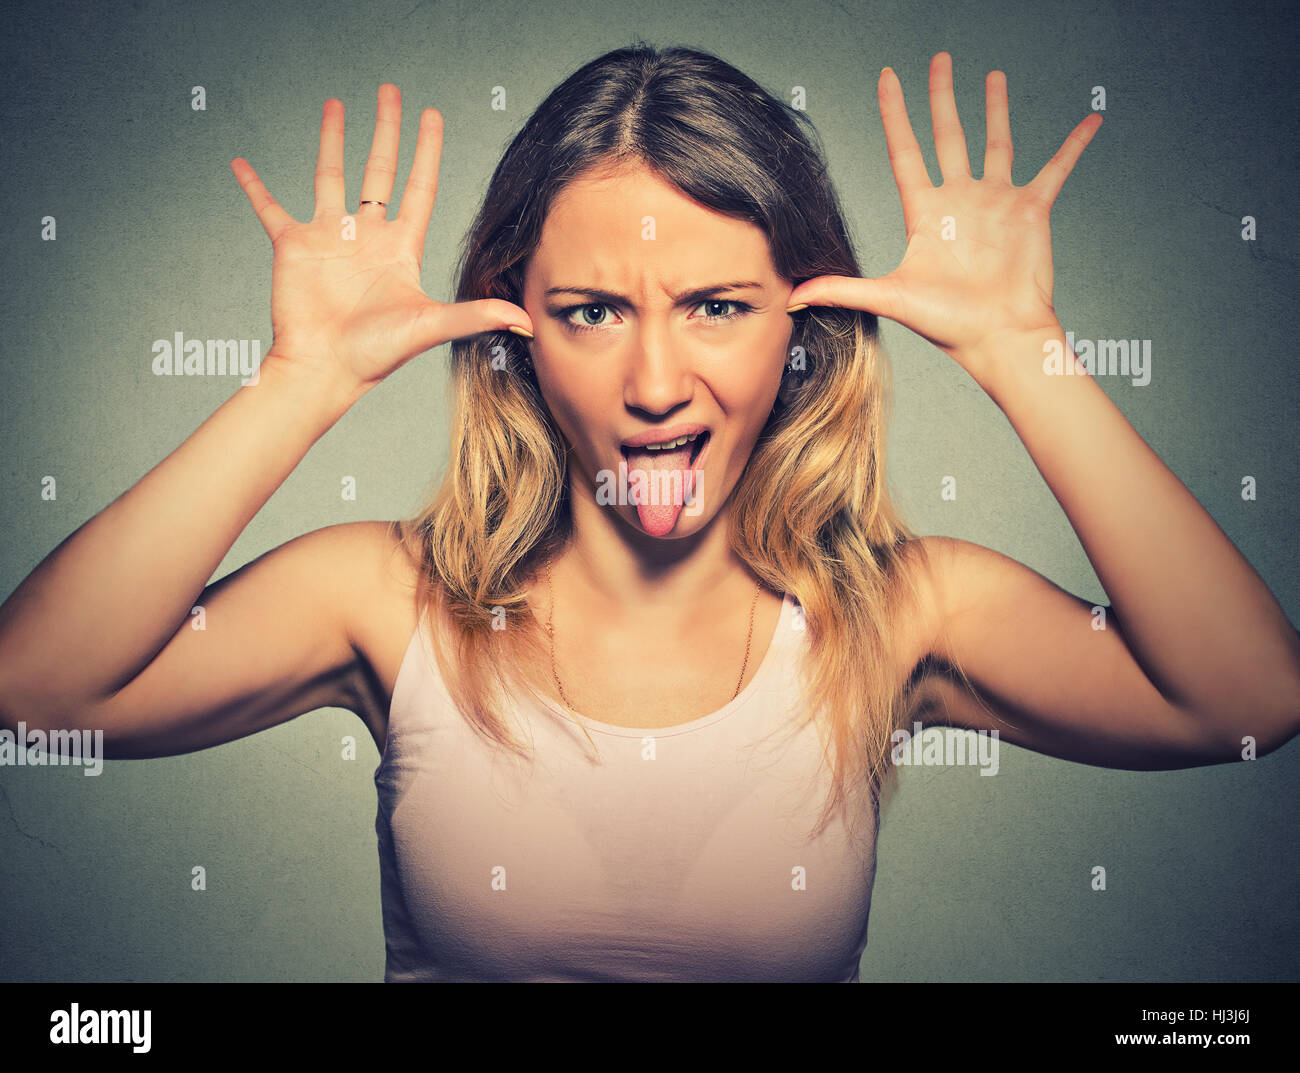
(811, 514)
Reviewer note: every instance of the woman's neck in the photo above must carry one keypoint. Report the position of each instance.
(613, 570)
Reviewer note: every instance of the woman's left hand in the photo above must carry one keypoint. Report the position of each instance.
(978, 265)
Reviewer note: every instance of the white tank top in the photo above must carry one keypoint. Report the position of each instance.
(681, 853)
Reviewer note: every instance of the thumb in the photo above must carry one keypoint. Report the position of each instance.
(440, 322)
(879, 296)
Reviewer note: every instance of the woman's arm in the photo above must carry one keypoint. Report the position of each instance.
(1196, 653)
(100, 631)
(104, 603)
(1190, 624)
(1046, 678)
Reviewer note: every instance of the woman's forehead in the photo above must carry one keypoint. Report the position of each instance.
(611, 228)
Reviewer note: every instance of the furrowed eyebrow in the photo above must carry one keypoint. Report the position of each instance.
(696, 294)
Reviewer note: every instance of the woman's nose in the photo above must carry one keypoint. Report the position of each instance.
(658, 376)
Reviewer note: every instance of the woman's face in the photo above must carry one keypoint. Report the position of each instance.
(656, 317)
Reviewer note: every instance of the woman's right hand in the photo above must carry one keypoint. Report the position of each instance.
(346, 300)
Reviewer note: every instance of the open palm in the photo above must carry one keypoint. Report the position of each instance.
(346, 299)
(978, 262)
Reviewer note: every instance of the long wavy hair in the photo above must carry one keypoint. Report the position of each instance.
(811, 514)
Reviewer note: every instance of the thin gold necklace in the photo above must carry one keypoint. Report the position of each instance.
(550, 629)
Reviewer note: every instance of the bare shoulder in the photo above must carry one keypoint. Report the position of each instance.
(990, 609)
(377, 579)
(373, 560)
(950, 577)
(928, 563)
(962, 576)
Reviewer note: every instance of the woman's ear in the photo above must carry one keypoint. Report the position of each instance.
(797, 369)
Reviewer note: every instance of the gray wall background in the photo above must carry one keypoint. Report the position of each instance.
(978, 878)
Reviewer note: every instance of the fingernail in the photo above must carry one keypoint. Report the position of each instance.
(521, 331)
(795, 309)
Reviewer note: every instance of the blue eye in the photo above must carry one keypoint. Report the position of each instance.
(596, 311)
(584, 310)
(741, 308)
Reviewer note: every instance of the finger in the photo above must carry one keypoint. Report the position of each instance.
(997, 139)
(422, 184)
(381, 165)
(879, 296)
(330, 189)
(949, 139)
(439, 322)
(904, 153)
(274, 219)
(1047, 183)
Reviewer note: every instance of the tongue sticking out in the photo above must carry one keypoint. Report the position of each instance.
(666, 481)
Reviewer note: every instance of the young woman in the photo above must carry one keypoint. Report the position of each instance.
(635, 673)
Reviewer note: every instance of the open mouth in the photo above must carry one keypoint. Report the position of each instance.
(672, 454)
(698, 445)
(668, 476)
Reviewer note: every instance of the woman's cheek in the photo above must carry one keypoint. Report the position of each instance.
(750, 375)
